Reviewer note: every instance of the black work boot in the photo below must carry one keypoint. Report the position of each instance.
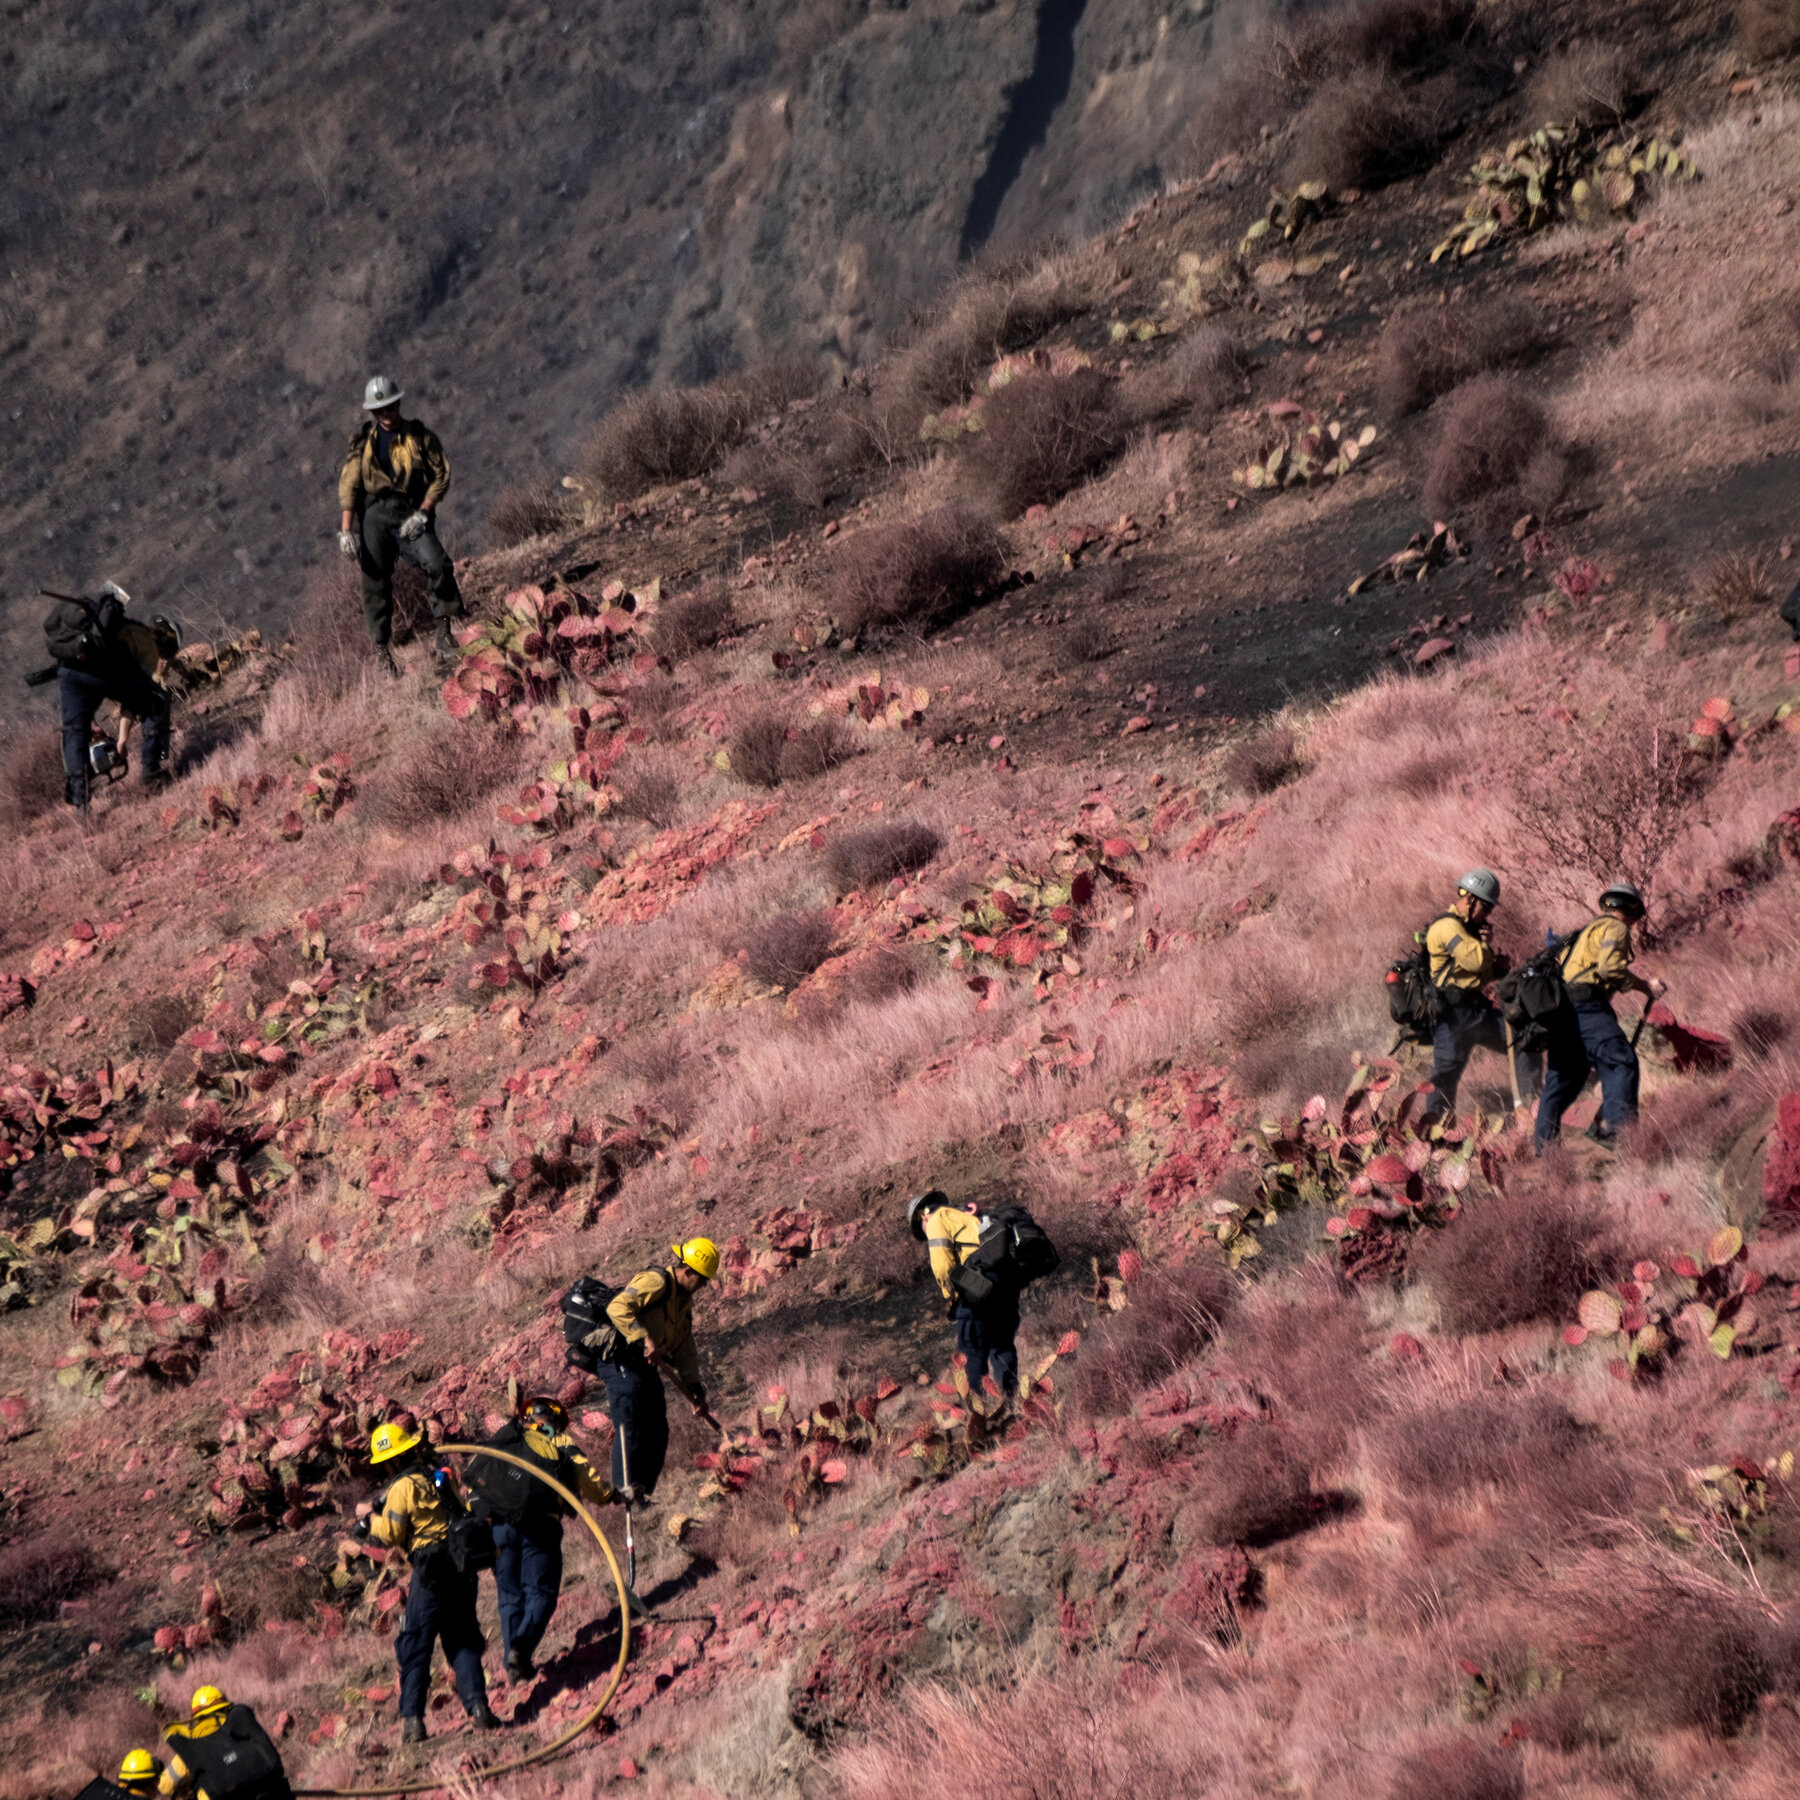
(412, 1730)
(384, 656)
(519, 1666)
(446, 649)
(482, 1718)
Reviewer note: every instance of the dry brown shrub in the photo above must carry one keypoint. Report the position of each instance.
(1427, 349)
(1503, 1440)
(877, 854)
(1741, 582)
(519, 513)
(1176, 1308)
(32, 782)
(1358, 130)
(1040, 434)
(1516, 1254)
(1264, 761)
(1460, 1767)
(664, 435)
(787, 948)
(1590, 84)
(441, 775)
(917, 572)
(1258, 1488)
(1769, 27)
(1601, 806)
(647, 788)
(768, 751)
(986, 316)
(693, 621)
(800, 472)
(151, 1022)
(1494, 455)
(38, 1573)
(1207, 371)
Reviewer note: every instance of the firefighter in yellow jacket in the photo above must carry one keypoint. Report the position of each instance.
(528, 1548)
(222, 1753)
(1586, 1035)
(414, 1519)
(393, 479)
(986, 1331)
(1462, 964)
(650, 1324)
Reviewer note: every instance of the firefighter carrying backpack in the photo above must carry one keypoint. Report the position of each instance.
(239, 1761)
(1534, 993)
(1013, 1251)
(504, 1491)
(583, 1313)
(1415, 1003)
(76, 630)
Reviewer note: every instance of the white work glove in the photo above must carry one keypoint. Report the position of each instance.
(347, 544)
(415, 525)
(117, 592)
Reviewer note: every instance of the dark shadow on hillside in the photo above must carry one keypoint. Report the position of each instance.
(1030, 108)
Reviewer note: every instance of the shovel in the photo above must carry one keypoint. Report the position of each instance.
(638, 1609)
(1638, 1029)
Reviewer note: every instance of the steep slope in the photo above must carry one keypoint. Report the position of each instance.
(767, 859)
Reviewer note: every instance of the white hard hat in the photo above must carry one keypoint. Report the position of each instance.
(381, 392)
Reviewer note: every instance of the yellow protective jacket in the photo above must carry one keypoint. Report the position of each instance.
(559, 1446)
(1600, 957)
(413, 1518)
(951, 1236)
(1459, 959)
(177, 1778)
(421, 470)
(655, 1305)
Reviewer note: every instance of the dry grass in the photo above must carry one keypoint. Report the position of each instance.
(1740, 583)
(38, 1573)
(1769, 27)
(520, 513)
(31, 775)
(1527, 1252)
(768, 751)
(664, 435)
(442, 774)
(1494, 455)
(1460, 1768)
(876, 854)
(1359, 130)
(1208, 369)
(785, 950)
(693, 621)
(1264, 761)
(1426, 349)
(1590, 84)
(648, 787)
(1040, 434)
(917, 573)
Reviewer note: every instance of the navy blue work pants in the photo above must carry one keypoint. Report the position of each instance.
(985, 1334)
(640, 1416)
(440, 1609)
(84, 691)
(1586, 1035)
(528, 1567)
(1460, 1033)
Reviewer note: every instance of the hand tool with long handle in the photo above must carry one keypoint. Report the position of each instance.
(638, 1608)
(1512, 1068)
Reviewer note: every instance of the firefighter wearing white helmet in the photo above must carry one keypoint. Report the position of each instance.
(1586, 1035)
(395, 474)
(1462, 963)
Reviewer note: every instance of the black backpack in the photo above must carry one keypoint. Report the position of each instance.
(102, 1789)
(239, 1761)
(583, 1313)
(1415, 1002)
(1534, 993)
(502, 1490)
(1013, 1251)
(76, 630)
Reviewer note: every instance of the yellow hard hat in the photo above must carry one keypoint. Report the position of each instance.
(140, 1765)
(701, 1255)
(205, 1700)
(389, 1441)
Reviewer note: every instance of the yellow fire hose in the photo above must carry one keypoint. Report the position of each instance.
(588, 1719)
